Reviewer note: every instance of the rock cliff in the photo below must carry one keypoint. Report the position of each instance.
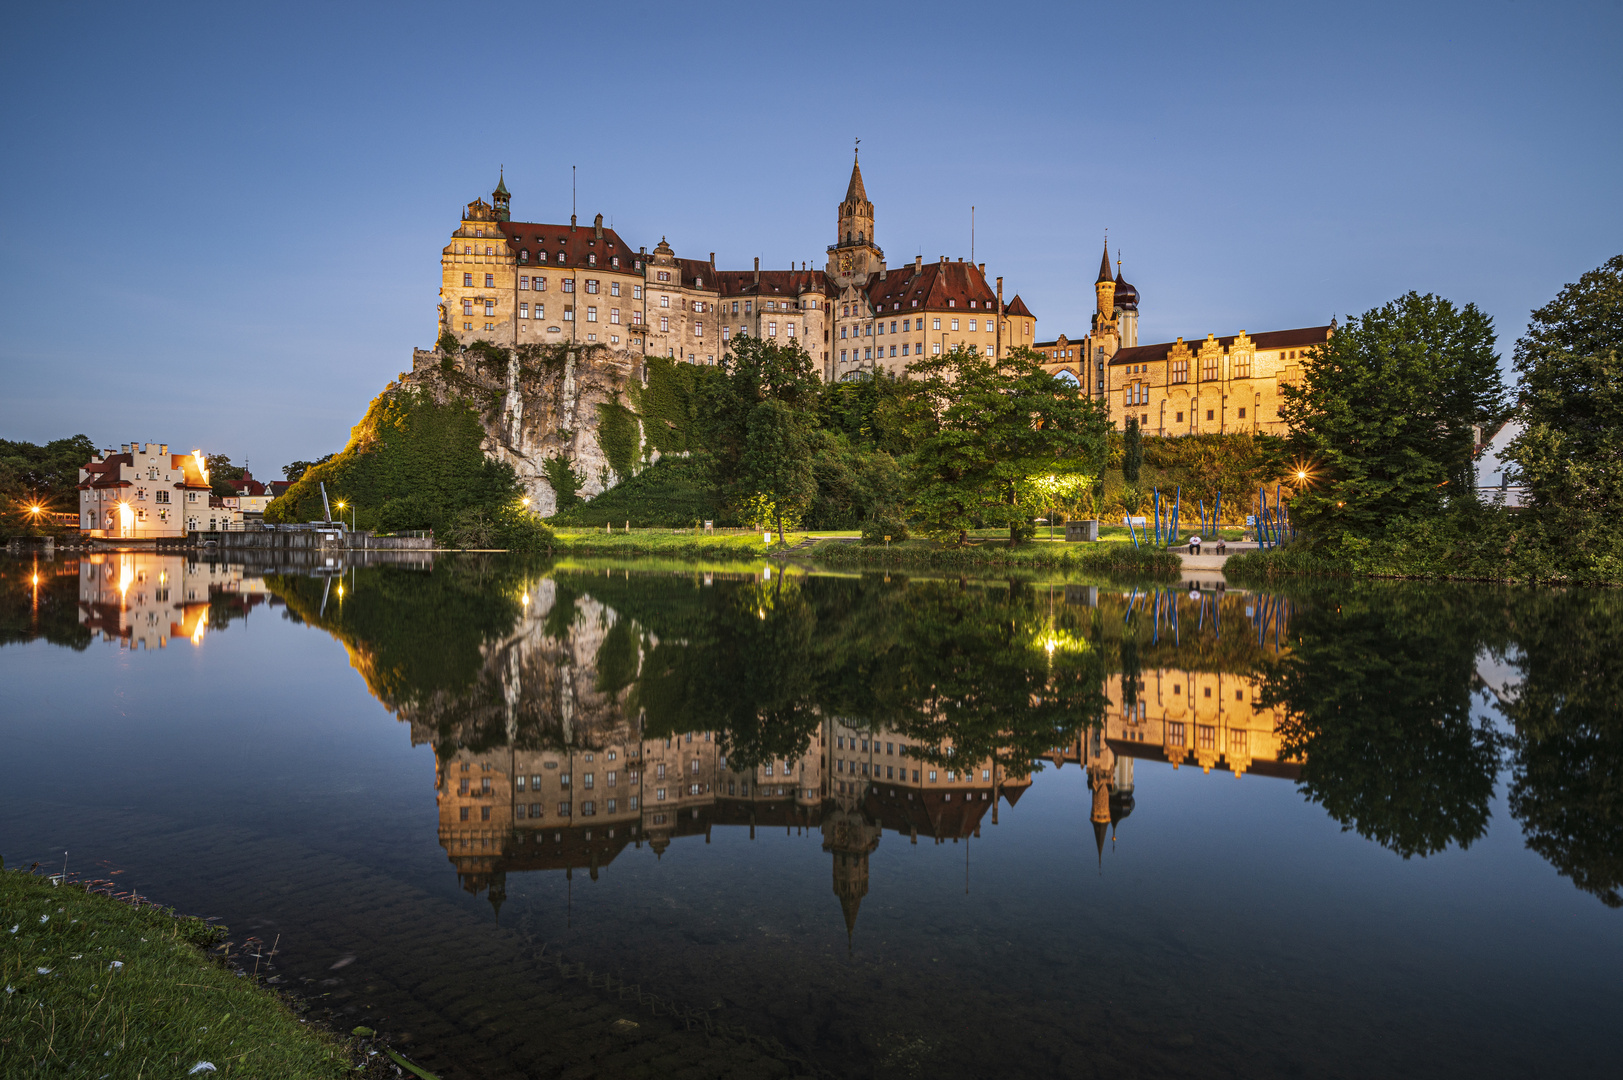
(545, 409)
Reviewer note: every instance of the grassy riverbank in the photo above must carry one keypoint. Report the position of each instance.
(93, 986)
(668, 543)
(1102, 557)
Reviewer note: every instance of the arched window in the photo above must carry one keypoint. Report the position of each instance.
(861, 239)
(1068, 377)
(847, 237)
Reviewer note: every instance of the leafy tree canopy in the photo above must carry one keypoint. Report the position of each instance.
(1388, 410)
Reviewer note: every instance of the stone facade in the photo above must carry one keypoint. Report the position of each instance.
(516, 283)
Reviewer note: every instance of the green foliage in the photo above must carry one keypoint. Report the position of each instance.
(672, 493)
(990, 427)
(33, 475)
(855, 485)
(1234, 463)
(880, 411)
(670, 404)
(1387, 409)
(1132, 452)
(221, 473)
(887, 528)
(619, 436)
(776, 462)
(295, 470)
(1570, 366)
(566, 482)
(1376, 693)
(503, 526)
(448, 344)
(410, 462)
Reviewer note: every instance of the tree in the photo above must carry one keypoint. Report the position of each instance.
(776, 463)
(295, 470)
(1388, 409)
(1570, 452)
(1132, 453)
(754, 371)
(222, 473)
(36, 475)
(989, 430)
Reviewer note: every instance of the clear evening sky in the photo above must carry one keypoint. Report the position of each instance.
(221, 224)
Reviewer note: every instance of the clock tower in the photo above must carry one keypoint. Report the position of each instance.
(853, 258)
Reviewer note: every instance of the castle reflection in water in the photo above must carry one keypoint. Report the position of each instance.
(599, 785)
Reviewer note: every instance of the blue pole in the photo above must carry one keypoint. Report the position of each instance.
(1130, 531)
(1217, 515)
(1157, 517)
(1177, 504)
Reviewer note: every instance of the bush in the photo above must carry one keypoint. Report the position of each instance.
(877, 530)
(672, 493)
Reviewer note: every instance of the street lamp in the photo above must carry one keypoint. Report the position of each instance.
(341, 504)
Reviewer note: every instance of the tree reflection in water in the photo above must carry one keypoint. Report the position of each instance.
(1367, 695)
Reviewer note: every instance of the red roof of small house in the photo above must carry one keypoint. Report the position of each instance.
(1018, 306)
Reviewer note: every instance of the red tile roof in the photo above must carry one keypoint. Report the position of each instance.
(936, 285)
(566, 245)
(786, 283)
(1018, 306)
(1266, 341)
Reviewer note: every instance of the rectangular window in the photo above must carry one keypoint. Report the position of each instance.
(464, 814)
(1210, 414)
(490, 281)
(535, 781)
(587, 779)
(955, 324)
(636, 316)
(524, 311)
(972, 324)
(563, 809)
(614, 288)
(698, 329)
(659, 794)
(518, 783)
(771, 329)
(540, 313)
(790, 329)
(636, 292)
(631, 803)
(663, 275)
(467, 307)
(1180, 371)
(614, 315)
(936, 325)
(612, 777)
(1175, 734)
(569, 313)
(591, 314)
(569, 284)
(588, 808)
(1242, 412)
(540, 284)
(490, 308)
(1208, 367)
(591, 285)
(484, 813)
(935, 348)
(1205, 736)
(932, 776)
(904, 349)
(467, 281)
(907, 326)
(614, 804)
(664, 324)
(535, 809)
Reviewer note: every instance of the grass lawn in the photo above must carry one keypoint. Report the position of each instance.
(91, 986)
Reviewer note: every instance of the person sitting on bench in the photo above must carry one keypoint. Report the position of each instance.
(1194, 545)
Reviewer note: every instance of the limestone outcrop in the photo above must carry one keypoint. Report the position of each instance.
(540, 404)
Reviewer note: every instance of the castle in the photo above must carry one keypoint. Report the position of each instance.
(517, 283)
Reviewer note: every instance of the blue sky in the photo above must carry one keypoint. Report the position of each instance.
(220, 224)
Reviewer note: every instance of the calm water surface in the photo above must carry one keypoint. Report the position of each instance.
(859, 826)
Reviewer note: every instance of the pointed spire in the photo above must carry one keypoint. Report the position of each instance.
(1104, 266)
(1100, 829)
(855, 192)
(501, 182)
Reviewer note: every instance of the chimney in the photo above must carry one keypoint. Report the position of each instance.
(960, 258)
(757, 269)
(982, 269)
(918, 265)
(712, 260)
(943, 260)
(597, 226)
(642, 250)
(571, 222)
(163, 448)
(123, 448)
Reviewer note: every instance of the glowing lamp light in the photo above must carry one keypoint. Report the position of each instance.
(201, 628)
(524, 598)
(202, 464)
(525, 502)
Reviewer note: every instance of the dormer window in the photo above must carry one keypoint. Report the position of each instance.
(952, 303)
(614, 261)
(698, 283)
(541, 256)
(523, 255)
(591, 258)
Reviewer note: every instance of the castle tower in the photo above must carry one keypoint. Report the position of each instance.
(1105, 288)
(501, 198)
(854, 256)
(1126, 301)
(850, 837)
